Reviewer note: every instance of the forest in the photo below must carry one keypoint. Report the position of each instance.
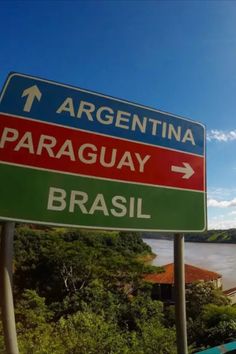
(83, 292)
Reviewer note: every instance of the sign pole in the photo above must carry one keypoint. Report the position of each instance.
(6, 296)
(180, 304)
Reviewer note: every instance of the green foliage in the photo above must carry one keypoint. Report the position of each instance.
(86, 332)
(33, 330)
(140, 309)
(61, 265)
(218, 324)
(221, 332)
(31, 310)
(169, 316)
(86, 294)
(2, 345)
(213, 314)
(205, 306)
(199, 294)
(157, 339)
(83, 292)
(41, 340)
(219, 236)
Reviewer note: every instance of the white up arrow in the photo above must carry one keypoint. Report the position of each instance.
(186, 170)
(31, 93)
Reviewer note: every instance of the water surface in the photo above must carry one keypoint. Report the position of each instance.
(220, 258)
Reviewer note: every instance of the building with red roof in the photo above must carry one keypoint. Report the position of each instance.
(231, 294)
(163, 283)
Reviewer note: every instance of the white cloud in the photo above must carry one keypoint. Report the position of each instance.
(220, 135)
(222, 221)
(220, 193)
(221, 224)
(224, 200)
(221, 203)
(232, 212)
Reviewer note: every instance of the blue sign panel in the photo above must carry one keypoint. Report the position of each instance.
(60, 104)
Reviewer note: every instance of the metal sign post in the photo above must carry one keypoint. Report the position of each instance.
(180, 304)
(6, 296)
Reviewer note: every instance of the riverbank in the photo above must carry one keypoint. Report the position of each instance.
(147, 257)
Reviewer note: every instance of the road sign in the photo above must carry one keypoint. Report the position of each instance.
(69, 156)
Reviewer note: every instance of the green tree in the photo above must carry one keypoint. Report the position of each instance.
(221, 332)
(139, 310)
(31, 310)
(86, 332)
(215, 325)
(89, 295)
(155, 338)
(35, 333)
(199, 294)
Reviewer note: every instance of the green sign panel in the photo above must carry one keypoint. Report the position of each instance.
(54, 198)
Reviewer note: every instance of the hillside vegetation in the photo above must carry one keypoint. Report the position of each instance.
(211, 236)
(83, 292)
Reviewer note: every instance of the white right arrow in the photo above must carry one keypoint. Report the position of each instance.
(186, 170)
(31, 93)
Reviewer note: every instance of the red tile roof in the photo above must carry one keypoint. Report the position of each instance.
(191, 274)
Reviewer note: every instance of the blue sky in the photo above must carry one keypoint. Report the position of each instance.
(176, 56)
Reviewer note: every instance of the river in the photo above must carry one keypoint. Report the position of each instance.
(220, 258)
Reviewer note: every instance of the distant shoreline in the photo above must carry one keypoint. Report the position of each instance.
(189, 241)
(211, 236)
